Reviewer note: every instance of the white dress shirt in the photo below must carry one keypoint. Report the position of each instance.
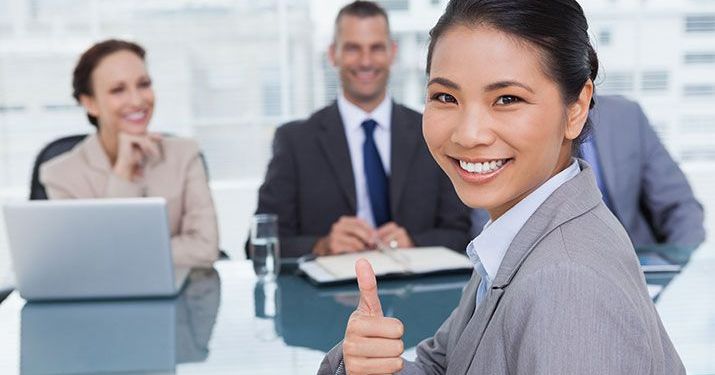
(490, 246)
(353, 117)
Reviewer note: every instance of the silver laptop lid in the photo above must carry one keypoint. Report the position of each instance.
(96, 248)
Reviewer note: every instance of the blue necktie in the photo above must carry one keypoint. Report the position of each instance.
(377, 183)
(590, 154)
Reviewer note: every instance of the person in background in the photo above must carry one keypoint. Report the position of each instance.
(556, 287)
(122, 159)
(357, 173)
(639, 181)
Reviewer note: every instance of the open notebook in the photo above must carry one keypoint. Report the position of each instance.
(398, 262)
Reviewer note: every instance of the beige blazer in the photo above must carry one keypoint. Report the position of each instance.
(178, 176)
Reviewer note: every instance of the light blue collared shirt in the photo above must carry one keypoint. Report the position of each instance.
(487, 250)
(352, 117)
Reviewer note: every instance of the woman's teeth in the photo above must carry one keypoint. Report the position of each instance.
(482, 168)
(136, 116)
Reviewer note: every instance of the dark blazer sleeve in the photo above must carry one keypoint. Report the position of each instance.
(667, 199)
(279, 195)
(452, 224)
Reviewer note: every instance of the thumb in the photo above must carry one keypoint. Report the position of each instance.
(369, 301)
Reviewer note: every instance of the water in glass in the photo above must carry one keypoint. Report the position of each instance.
(266, 258)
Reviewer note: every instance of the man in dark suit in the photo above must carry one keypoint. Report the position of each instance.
(357, 174)
(640, 182)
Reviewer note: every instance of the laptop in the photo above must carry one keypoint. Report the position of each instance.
(92, 249)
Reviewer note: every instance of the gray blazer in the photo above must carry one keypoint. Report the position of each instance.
(649, 193)
(310, 184)
(569, 298)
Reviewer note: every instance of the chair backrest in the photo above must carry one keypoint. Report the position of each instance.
(52, 150)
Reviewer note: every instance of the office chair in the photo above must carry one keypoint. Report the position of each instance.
(53, 149)
(59, 147)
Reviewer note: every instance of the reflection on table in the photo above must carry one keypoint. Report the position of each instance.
(121, 336)
(237, 325)
(315, 317)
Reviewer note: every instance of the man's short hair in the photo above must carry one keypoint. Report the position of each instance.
(361, 9)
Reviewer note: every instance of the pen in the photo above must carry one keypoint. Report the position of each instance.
(392, 253)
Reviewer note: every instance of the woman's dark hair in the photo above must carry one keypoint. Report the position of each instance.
(558, 28)
(82, 76)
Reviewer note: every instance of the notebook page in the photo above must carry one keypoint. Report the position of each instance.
(431, 259)
(343, 266)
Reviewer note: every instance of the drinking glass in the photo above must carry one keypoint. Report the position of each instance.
(264, 246)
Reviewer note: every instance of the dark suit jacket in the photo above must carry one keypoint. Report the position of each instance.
(649, 193)
(310, 184)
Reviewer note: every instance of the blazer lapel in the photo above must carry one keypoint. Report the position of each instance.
(403, 144)
(95, 154)
(468, 342)
(573, 198)
(100, 167)
(335, 145)
(469, 301)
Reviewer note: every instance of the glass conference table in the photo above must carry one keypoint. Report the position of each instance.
(223, 322)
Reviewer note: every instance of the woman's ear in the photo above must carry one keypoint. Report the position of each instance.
(578, 112)
(89, 104)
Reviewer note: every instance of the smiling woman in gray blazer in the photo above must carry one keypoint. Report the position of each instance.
(557, 288)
